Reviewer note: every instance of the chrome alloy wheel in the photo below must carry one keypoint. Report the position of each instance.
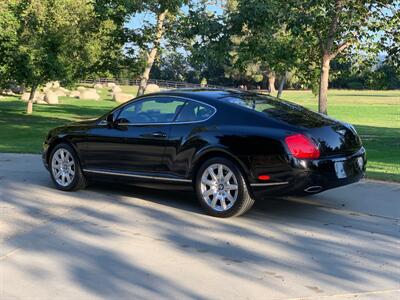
(219, 187)
(63, 167)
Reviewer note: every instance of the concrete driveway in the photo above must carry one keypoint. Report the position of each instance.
(113, 242)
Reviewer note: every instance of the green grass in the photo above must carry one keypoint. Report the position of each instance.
(22, 133)
(375, 114)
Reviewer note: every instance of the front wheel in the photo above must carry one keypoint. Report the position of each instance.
(221, 188)
(65, 170)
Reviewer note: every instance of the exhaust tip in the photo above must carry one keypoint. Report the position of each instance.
(313, 189)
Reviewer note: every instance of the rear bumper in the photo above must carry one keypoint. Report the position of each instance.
(314, 176)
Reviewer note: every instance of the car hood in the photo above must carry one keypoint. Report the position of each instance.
(84, 122)
(73, 127)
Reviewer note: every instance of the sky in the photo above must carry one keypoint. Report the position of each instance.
(138, 19)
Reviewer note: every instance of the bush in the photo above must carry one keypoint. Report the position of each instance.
(355, 85)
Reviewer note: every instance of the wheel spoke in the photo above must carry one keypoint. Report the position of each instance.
(220, 172)
(223, 203)
(208, 193)
(228, 176)
(230, 198)
(207, 182)
(212, 174)
(214, 202)
(230, 187)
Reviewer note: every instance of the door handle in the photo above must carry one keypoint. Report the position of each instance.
(159, 134)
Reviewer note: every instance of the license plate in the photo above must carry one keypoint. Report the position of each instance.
(340, 171)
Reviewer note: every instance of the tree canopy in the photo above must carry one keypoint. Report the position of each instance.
(55, 40)
(8, 41)
(304, 44)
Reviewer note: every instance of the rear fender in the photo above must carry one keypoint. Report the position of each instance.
(207, 153)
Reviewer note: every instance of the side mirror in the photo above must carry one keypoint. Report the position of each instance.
(110, 119)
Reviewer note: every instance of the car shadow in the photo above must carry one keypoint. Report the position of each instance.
(84, 232)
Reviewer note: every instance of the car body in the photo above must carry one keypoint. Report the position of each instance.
(161, 140)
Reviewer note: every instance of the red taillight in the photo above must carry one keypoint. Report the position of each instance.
(264, 177)
(301, 146)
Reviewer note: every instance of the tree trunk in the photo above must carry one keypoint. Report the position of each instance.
(146, 74)
(323, 84)
(264, 82)
(153, 53)
(271, 82)
(29, 108)
(282, 85)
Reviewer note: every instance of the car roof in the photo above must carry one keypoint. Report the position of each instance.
(205, 93)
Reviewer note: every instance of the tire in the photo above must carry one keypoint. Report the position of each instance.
(64, 160)
(216, 194)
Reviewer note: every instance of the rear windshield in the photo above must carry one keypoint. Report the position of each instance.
(279, 109)
(260, 103)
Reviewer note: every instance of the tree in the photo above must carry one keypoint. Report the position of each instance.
(149, 38)
(174, 66)
(151, 55)
(8, 41)
(386, 76)
(260, 36)
(391, 39)
(335, 27)
(57, 40)
(204, 38)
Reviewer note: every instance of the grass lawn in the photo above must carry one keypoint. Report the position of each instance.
(375, 114)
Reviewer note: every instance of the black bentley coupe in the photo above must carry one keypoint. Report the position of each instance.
(231, 147)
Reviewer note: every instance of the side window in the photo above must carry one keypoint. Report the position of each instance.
(154, 110)
(194, 111)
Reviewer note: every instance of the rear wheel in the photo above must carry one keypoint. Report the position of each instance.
(221, 188)
(65, 170)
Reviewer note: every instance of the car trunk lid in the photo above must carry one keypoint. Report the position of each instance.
(336, 139)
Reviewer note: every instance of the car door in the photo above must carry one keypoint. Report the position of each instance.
(136, 140)
(186, 136)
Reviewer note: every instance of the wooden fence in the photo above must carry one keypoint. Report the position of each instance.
(160, 83)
